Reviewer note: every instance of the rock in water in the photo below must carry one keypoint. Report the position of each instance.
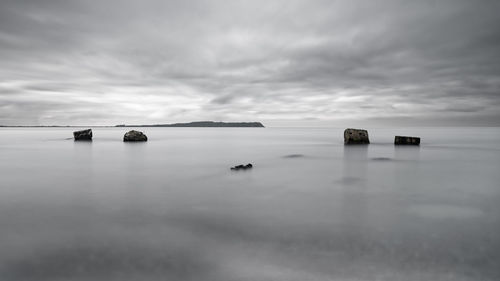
(403, 140)
(242, 167)
(83, 135)
(356, 136)
(135, 136)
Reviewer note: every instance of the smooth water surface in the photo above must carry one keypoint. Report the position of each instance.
(310, 209)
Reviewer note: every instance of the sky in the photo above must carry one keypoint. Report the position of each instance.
(290, 62)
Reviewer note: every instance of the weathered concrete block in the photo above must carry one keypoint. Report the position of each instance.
(356, 136)
(404, 140)
(135, 136)
(83, 135)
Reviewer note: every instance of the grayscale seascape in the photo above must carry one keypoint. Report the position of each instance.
(310, 209)
(271, 140)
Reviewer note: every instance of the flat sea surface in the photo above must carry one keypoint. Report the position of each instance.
(310, 209)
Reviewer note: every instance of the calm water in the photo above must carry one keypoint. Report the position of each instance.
(310, 209)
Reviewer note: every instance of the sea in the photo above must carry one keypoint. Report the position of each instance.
(311, 208)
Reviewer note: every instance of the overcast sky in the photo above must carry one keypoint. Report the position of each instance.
(280, 62)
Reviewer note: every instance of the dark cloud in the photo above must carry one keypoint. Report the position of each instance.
(168, 61)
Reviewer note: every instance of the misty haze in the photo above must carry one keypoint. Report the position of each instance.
(249, 140)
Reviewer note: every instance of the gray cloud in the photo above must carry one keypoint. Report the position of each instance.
(81, 62)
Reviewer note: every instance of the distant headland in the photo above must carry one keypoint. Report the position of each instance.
(190, 124)
(202, 124)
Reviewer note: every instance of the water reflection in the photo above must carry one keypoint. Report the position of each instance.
(407, 152)
(406, 168)
(135, 168)
(82, 162)
(353, 195)
(80, 178)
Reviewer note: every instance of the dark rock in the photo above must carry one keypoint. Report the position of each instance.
(356, 136)
(135, 136)
(242, 167)
(403, 140)
(83, 135)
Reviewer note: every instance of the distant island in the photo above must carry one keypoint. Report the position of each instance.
(190, 124)
(202, 124)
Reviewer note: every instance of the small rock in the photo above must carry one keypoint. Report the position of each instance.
(356, 136)
(242, 167)
(135, 136)
(83, 135)
(404, 140)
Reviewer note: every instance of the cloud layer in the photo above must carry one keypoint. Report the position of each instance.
(383, 62)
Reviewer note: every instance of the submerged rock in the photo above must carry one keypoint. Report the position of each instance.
(242, 167)
(404, 140)
(381, 159)
(83, 135)
(293, 156)
(135, 136)
(356, 136)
